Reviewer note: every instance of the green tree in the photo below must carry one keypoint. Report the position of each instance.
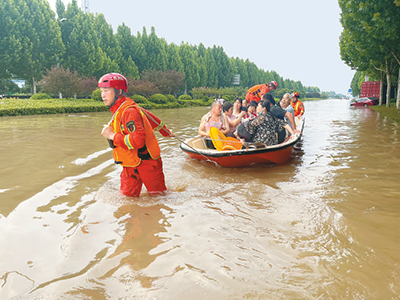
(155, 52)
(371, 36)
(113, 57)
(60, 82)
(188, 57)
(126, 42)
(83, 52)
(139, 55)
(37, 38)
(174, 61)
(224, 68)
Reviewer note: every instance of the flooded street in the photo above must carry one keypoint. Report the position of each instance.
(325, 225)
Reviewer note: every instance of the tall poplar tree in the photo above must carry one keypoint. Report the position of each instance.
(83, 52)
(125, 40)
(38, 40)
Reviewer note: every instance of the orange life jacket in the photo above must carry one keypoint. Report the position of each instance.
(130, 157)
(256, 90)
(298, 108)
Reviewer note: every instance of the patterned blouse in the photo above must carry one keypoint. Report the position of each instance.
(264, 129)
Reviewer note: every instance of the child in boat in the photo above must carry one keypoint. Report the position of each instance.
(233, 120)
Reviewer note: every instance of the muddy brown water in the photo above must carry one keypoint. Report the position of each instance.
(323, 226)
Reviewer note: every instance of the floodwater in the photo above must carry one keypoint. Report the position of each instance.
(323, 226)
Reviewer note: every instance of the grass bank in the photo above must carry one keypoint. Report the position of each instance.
(18, 107)
(390, 112)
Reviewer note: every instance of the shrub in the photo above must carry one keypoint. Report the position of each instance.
(185, 97)
(171, 98)
(229, 98)
(40, 96)
(139, 99)
(57, 80)
(96, 95)
(169, 81)
(158, 99)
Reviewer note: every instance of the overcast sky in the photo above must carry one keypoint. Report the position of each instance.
(297, 39)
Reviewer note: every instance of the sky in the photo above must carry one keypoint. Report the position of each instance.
(297, 39)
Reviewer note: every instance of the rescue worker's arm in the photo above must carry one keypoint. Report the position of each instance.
(301, 109)
(133, 136)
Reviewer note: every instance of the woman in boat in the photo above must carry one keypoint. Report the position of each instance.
(214, 118)
(264, 128)
(237, 107)
(233, 120)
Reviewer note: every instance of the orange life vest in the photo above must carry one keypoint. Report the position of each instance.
(298, 108)
(256, 90)
(130, 157)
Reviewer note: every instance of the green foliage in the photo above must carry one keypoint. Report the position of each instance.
(57, 80)
(17, 107)
(229, 98)
(33, 40)
(158, 99)
(184, 97)
(167, 82)
(40, 96)
(141, 87)
(171, 98)
(96, 95)
(139, 99)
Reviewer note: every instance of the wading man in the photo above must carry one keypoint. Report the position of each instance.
(130, 134)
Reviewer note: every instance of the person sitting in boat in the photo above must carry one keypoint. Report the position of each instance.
(214, 118)
(233, 120)
(251, 111)
(280, 113)
(285, 104)
(297, 105)
(264, 128)
(244, 104)
(237, 106)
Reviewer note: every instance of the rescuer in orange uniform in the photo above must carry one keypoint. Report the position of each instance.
(256, 92)
(297, 105)
(130, 134)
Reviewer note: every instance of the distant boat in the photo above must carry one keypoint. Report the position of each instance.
(256, 153)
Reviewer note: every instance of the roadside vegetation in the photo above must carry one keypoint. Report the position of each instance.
(370, 43)
(64, 55)
(391, 112)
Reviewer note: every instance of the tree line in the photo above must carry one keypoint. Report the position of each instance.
(370, 42)
(35, 43)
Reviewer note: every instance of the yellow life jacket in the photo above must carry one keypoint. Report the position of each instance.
(132, 157)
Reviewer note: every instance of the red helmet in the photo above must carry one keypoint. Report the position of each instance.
(274, 83)
(296, 94)
(114, 80)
